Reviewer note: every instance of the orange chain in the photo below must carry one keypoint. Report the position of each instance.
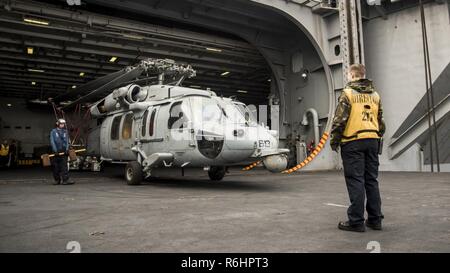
(314, 153)
(251, 166)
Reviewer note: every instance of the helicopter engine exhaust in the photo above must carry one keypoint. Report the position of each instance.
(129, 94)
(276, 163)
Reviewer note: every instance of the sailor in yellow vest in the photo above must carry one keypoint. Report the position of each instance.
(357, 129)
(4, 154)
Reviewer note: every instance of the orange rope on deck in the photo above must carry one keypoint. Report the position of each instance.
(311, 156)
(251, 166)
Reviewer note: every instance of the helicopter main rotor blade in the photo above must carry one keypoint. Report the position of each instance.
(117, 79)
(89, 86)
(108, 86)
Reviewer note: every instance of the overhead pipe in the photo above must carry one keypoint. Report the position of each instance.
(315, 117)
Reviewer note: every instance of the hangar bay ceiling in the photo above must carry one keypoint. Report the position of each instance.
(52, 51)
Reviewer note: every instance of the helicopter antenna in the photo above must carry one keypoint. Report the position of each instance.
(180, 80)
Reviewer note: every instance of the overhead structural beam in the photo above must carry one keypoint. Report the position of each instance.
(68, 62)
(11, 63)
(19, 69)
(240, 20)
(238, 8)
(350, 24)
(121, 50)
(42, 76)
(80, 63)
(29, 85)
(97, 20)
(20, 84)
(30, 90)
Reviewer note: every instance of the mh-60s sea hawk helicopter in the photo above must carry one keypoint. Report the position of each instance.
(160, 127)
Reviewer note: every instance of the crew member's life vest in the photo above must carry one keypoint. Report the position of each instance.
(363, 119)
(4, 150)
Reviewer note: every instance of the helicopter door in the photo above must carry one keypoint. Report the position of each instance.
(149, 130)
(180, 134)
(126, 137)
(114, 137)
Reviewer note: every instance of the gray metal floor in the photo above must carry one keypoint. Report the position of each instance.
(247, 212)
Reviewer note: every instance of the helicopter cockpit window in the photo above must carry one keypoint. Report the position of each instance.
(249, 113)
(115, 128)
(177, 118)
(239, 113)
(144, 123)
(127, 126)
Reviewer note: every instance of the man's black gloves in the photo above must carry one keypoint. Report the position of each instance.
(334, 147)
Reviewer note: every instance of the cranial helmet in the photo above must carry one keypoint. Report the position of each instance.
(60, 121)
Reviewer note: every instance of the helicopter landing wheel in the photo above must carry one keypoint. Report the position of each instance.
(216, 173)
(133, 173)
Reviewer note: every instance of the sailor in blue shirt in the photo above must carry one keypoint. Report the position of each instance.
(59, 140)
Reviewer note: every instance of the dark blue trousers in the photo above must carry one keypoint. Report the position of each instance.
(360, 160)
(59, 168)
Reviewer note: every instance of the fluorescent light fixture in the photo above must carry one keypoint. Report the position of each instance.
(195, 86)
(74, 86)
(242, 91)
(36, 70)
(81, 74)
(113, 59)
(33, 83)
(269, 80)
(36, 21)
(9, 105)
(225, 73)
(213, 49)
(30, 50)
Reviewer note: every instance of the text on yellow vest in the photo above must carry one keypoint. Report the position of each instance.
(363, 118)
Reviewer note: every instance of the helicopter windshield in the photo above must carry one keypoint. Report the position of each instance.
(207, 115)
(238, 112)
(212, 117)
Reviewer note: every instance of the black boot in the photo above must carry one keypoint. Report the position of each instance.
(374, 226)
(56, 182)
(347, 227)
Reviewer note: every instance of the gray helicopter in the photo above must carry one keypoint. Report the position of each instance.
(166, 128)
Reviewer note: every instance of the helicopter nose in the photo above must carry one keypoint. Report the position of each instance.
(240, 144)
(210, 144)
